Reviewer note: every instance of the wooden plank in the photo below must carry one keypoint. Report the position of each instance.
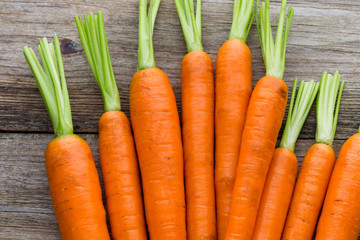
(322, 38)
(25, 205)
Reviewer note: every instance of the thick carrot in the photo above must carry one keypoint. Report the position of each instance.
(73, 179)
(315, 171)
(197, 89)
(263, 121)
(157, 133)
(280, 180)
(118, 159)
(340, 215)
(75, 189)
(233, 87)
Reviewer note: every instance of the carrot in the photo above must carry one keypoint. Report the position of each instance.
(233, 87)
(317, 165)
(197, 88)
(157, 133)
(280, 180)
(263, 121)
(340, 215)
(73, 179)
(118, 159)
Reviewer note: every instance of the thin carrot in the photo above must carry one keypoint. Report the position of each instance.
(317, 165)
(263, 121)
(73, 179)
(233, 87)
(197, 88)
(340, 215)
(280, 180)
(118, 160)
(156, 125)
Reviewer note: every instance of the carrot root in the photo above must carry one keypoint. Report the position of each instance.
(75, 189)
(121, 177)
(233, 86)
(197, 88)
(263, 121)
(157, 134)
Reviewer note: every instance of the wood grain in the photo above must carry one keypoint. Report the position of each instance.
(324, 37)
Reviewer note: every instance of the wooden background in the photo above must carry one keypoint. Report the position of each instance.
(325, 36)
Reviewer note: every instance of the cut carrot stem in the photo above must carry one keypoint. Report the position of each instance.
(116, 145)
(280, 180)
(263, 121)
(317, 165)
(197, 94)
(157, 133)
(233, 87)
(73, 179)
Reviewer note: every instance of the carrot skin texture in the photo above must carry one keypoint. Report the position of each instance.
(340, 217)
(120, 172)
(276, 197)
(197, 88)
(156, 126)
(233, 87)
(309, 193)
(75, 189)
(263, 121)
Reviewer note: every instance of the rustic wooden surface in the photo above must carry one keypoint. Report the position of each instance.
(325, 36)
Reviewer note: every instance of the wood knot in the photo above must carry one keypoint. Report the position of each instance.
(68, 46)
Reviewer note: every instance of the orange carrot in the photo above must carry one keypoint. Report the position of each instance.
(73, 179)
(340, 215)
(116, 145)
(197, 88)
(280, 180)
(233, 88)
(263, 121)
(317, 165)
(157, 133)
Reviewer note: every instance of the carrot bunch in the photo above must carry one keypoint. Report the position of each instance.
(157, 133)
(263, 121)
(73, 179)
(197, 89)
(116, 145)
(233, 87)
(317, 166)
(280, 180)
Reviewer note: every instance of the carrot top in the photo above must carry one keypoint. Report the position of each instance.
(274, 53)
(298, 112)
(243, 16)
(327, 108)
(93, 39)
(146, 28)
(52, 84)
(191, 24)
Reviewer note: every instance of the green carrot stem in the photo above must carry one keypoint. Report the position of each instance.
(52, 84)
(327, 108)
(274, 53)
(190, 24)
(298, 112)
(146, 28)
(94, 41)
(243, 16)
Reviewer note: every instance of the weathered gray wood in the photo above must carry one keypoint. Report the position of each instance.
(25, 205)
(324, 36)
